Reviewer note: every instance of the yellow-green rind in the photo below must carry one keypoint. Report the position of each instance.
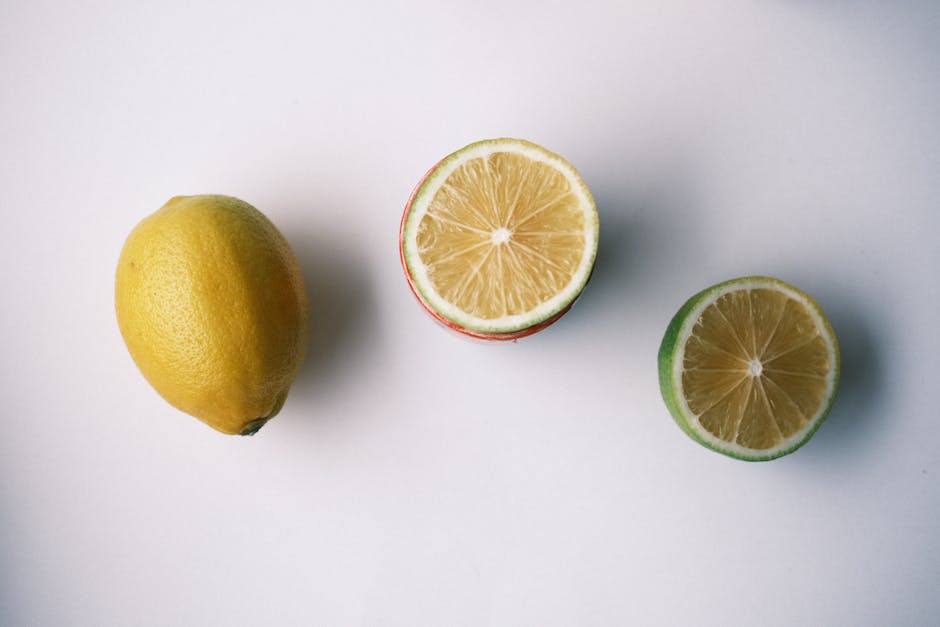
(666, 361)
(410, 225)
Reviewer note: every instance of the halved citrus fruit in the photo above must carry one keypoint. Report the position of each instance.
(499, 238)
(749, 368)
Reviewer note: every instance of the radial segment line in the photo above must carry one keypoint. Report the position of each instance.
(722, 397)
(544, 207)
(773, 332)
(789, 350)
(808, 375)
(792, 400)
(502, 283)
(490, 188)
(441, 218)
(773, 417)
(719, 348)
(462, 251)
(458, 291)
(535, 196)
(469, 204)
(522, 274)
(734, 333)
(750, 313)
(519, 232)
(515, 201)
(743, 410)
(536, 253)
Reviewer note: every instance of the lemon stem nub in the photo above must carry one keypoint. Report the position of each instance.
(254, 426)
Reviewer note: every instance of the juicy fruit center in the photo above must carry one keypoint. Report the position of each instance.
(503, 234)
(755, 368)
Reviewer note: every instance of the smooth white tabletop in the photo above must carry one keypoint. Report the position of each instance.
(416, 478)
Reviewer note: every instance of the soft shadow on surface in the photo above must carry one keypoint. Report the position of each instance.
(648, 231)
(342, 309)
(850, 429)
(905, 31)
(923, 9)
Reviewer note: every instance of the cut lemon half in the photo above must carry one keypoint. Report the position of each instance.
(749, 368)
(499, 239)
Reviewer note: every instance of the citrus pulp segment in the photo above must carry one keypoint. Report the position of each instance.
(749, 368)
(499, 238)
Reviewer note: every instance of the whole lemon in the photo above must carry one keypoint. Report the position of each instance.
(211, 303)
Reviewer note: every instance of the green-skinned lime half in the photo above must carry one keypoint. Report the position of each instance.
(749, 368)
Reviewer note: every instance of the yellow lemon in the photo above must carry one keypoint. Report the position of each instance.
(211, 303)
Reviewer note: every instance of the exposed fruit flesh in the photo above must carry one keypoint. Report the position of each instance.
(756, 368)
(502, 235)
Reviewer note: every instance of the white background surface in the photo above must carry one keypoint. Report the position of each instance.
(415, 478)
